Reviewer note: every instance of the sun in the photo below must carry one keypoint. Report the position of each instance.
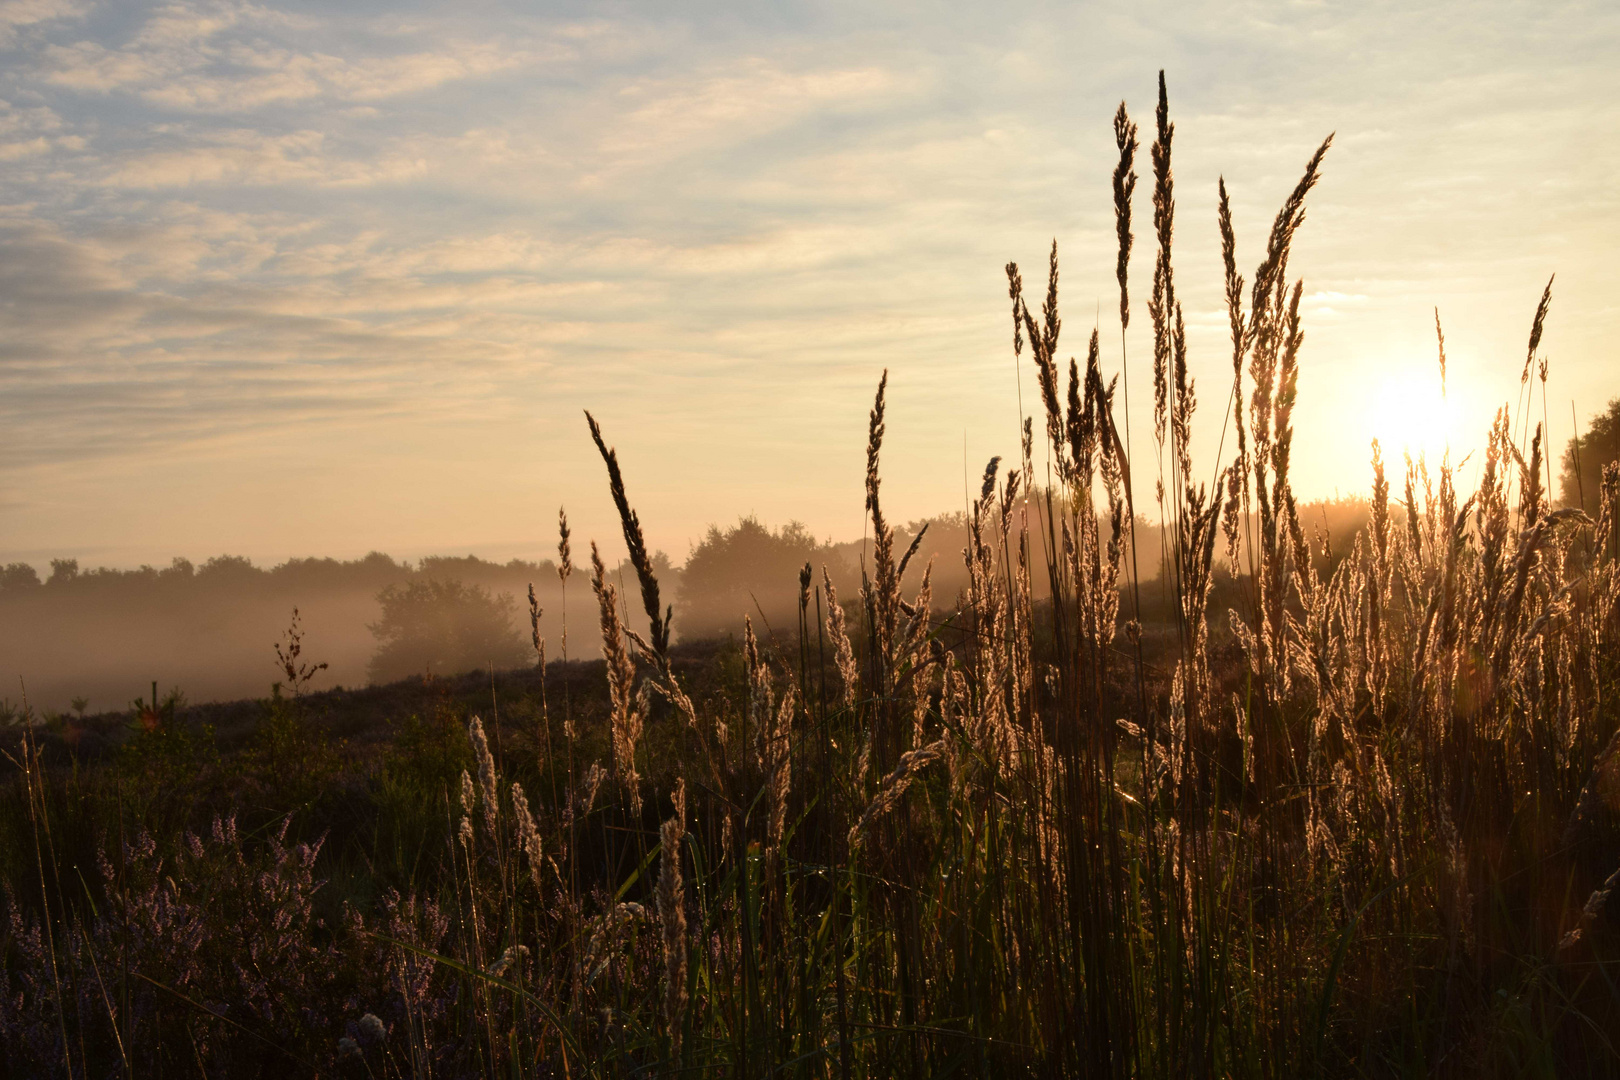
(1409, 413)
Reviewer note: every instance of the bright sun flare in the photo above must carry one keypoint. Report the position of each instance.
(1409, 415)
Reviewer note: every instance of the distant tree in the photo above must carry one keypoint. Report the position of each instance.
(1597, 446)
(734, 569)
(225, 569)
(376, 562)
(63, 571)
(443, 627)
(15, 577)
(472, 569)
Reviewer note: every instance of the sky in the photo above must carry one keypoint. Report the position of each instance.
(311, 279)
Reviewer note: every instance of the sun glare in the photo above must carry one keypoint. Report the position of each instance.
(1409, 414)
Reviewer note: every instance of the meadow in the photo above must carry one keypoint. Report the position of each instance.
(1350, 813)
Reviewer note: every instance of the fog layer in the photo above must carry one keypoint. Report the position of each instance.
(97, 639)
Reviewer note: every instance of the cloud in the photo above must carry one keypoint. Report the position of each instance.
(19, 15)
(28, 132)
(62, 297)
(86, 65)
(270, 76)
(684, 115)
(11, 151)
(94, 365)
(236, 58)
(248, 157)
(242, 156)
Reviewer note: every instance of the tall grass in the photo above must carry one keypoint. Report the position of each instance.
(1340, 829)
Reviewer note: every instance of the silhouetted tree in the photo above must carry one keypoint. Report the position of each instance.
(1598, 445)
(443, 627)
(732, 569)
(228, 569)
(17, 576)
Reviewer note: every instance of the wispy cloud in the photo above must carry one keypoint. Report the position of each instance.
(197, 75)
(19, 16)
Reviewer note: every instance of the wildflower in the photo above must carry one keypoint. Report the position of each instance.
(348, 1048)
(371, 1026)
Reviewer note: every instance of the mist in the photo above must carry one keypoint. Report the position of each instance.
(76, 639)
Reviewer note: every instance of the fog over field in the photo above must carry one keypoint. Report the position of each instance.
(210, 630)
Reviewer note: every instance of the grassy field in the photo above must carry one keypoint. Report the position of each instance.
(1341, 817)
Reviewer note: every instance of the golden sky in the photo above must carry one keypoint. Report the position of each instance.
(281, 281)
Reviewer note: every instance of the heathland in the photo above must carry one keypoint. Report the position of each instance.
(1263, 800)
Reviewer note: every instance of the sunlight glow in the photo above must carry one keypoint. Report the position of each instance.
(1408, 414)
